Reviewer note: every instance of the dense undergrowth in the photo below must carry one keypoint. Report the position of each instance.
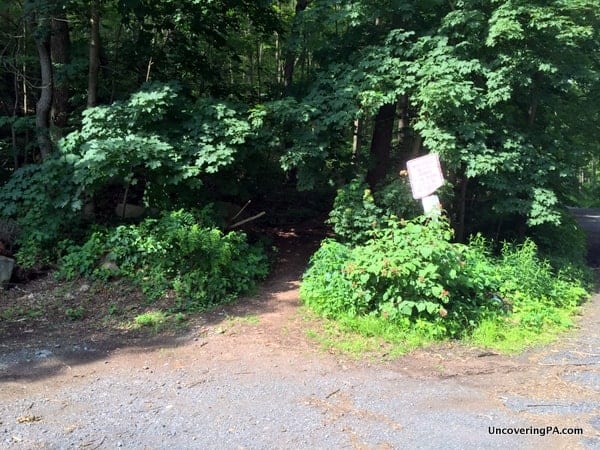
(408, 282)
(179, 255)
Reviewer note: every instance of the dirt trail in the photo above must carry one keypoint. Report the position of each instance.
(247, 376)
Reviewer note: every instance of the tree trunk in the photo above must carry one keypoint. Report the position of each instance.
(402, 134)
(410, 142)
(462, 209)
(381, 144)
(290, 56)
(94, 56)
(278, 68)
(13, 131)
(60, 46)
(356, 139)
(534, 99)
(15, 110)
(44, 103)
(403, 122)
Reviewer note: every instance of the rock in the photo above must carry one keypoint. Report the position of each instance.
(6, 268)
(84, 288)
(43, 354)
(109, 266)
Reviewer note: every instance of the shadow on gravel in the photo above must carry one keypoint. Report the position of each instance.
(44, 347)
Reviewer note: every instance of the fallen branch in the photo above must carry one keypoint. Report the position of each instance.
(241, 210)
(249, 219)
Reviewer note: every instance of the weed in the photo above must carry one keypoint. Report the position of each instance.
(152, 319)
(74, 314)
(16, 312)
(250, 320)
(180, 318)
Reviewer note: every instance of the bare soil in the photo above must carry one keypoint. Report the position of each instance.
(57, 338)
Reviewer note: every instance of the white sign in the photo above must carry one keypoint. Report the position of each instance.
(425, 175)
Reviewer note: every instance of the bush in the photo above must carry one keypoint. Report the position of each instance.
(412, 275)
(157, 141)
(564, 245)
(357, 213)
(408, 270)
(201, 264)
(538, 295)
(43, 201)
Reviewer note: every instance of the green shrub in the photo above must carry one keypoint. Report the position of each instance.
(408, 270)
(542, 301)
(157, 140)
(43, 201)
(564, 246)
(355, 216)
(412, 275)
(357, 213)
(325, 286)
(538, 295)
(200, 263)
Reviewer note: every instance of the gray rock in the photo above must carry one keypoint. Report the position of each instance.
(41, 354)
(6, 268)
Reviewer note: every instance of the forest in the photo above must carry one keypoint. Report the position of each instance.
(153, 141)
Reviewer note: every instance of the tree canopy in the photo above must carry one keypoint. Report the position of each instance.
(192, 102)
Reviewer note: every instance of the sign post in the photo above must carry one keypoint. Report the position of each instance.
(425, 176)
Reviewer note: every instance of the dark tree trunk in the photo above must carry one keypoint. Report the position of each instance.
(44, 103)
(60, 45)
(13, 131)
(381, 145)
(410, 143)
(534, 99)
(462, 209)
(290, 55)
(94, 56)
(403, 124)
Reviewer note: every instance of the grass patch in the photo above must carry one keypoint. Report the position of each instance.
(76, 313)
(507, 337)
(151, 319)
(160, 320)
(13, 313)
(368, 335)
(359, 337)
(250, 320)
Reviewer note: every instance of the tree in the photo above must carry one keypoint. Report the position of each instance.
(504, 91)
(60, 53)
(39, 14)
(94, 54)
(487, 85)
